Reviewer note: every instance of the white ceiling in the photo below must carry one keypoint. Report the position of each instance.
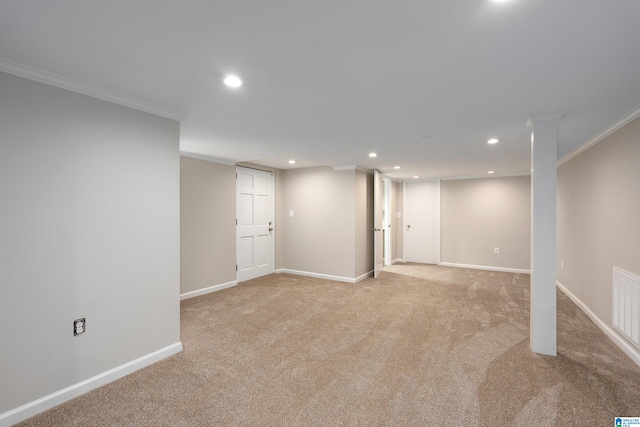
(423, 83)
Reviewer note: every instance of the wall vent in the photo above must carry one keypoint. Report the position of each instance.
(626, 305)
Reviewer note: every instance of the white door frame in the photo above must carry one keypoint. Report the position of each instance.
(378, 263)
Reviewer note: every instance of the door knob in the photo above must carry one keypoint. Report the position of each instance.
(408, 226)
(270, 228)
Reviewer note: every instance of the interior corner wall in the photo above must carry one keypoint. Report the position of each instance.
(319, 238)
(480, 214)
(207, 224)
(363, 223)
(599, 218)
(89, 227)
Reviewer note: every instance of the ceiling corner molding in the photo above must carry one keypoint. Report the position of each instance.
(365, 170)
(543, 117)
(485, 176)
(352, 168)
(345, 168)
(85, 89)
(210, 159)
(602, 135)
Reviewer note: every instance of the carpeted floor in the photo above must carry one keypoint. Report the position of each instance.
(420, 346)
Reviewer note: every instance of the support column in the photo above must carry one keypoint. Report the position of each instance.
(544, 163)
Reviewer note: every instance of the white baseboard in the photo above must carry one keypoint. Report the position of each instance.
(397, 260)
(485, 267)
(364, 276)
(208, 290)
(325, 276)
(629, 350)
(30, 409)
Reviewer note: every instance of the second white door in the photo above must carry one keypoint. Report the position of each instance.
(422, 221)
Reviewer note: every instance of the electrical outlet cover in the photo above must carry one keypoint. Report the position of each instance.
(79, 326)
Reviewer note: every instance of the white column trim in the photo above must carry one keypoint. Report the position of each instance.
(543, 305)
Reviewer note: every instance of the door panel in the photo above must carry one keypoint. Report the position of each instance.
(261, 215)
(261, 250)
(254, 230)
(246, 252)
(246, 210)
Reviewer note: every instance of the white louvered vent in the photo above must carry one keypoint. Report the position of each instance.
(626, 305)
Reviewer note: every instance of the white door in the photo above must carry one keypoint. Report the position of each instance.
(378, 254)
(386, 221)
(255, 224)
(422, 221)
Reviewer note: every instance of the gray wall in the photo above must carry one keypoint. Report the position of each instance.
(207, 224)
(480, 214)
(320, 236)
(329, 234)
(330, 231)
(89, 227)
(599, 218)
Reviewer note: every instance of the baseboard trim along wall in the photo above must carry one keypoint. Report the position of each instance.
(30, 409)
(325, 276)
(207, 290)
(628, 349)
(485, 267)
(397, 260)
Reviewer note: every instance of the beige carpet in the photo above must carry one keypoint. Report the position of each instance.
(422, 345)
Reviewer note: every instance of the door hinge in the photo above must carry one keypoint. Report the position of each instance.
(236, 221)
(236, 267)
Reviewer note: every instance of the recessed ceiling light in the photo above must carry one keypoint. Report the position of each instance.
(416, 176)
(491, 172)
(373, 154)
(292, 162)
(492, 141)
(233, 80)
(396, 167)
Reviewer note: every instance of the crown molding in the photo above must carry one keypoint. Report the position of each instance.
(365, 170)
(602, 135)
(483, 176)
(56, 80)
(345, 168)
(543, 117)
(352, 168)
(210, 159)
